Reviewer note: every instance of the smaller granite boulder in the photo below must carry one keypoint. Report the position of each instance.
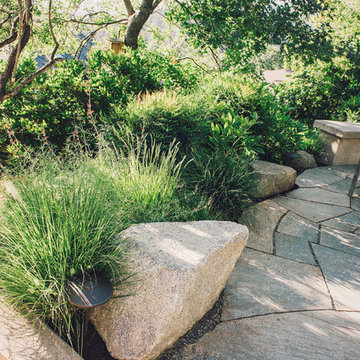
(301, 161)
(22, 339)
(181, 269)
(273, 178)
(9, 188)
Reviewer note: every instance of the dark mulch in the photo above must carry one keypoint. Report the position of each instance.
(94, 346)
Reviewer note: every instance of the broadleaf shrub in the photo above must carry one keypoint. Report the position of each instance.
(72, 94)
(322, 91)
(235, 110)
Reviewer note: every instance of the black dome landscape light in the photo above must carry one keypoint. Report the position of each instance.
(86, 292)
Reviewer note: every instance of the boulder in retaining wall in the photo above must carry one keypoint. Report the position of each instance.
(273, 178)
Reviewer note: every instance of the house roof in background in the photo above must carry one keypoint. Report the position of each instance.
(277, 76)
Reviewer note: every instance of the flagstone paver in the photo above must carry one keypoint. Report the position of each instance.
(355, 204)
(261, 221)
(319, 177)
(347, 222)
(295, 225)
(296, 293)
(342, 274)
(293, 248)
(314, 335)
(262, 283)
(321, 196)
(310, 210)
(340, 240)
(342, 186)
(347, 169)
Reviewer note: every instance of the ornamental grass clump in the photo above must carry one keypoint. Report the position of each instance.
(145, 181)
(61, 225)
(64, 221)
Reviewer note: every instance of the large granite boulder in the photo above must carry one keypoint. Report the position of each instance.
(273, 178)
(182, 269)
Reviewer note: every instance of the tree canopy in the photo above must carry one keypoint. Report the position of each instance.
(241, 28)
(233, 30)
(54, 25)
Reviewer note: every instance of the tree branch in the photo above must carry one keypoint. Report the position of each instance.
(156, 3)
(52, 32)
(106, 23)
(129, 8)
(197, 64)
(9, 40)
(23, 38)
(23, 22)
(6, 20)
(91, 35)
(213, 55)
(29, 79)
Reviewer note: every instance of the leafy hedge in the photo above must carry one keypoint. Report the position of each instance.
(229, 112)
(57, 102)
(323, 91)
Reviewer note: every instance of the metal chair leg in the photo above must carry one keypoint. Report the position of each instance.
(354, 180)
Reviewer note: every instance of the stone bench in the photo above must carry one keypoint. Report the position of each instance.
(342, 142)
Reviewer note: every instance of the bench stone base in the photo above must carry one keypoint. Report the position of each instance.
(342, 142)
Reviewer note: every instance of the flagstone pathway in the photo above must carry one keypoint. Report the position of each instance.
(295, 291)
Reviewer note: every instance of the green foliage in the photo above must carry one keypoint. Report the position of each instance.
(271, 59)
(322, 91)
(66, 219)
(228, 112)
(329, 89)
(62, 225)
(165, 116)
(267, 129)
(242, 29)
(50, 107)
(342, 22)
(225, 179)
(68, 97)
(145, 182)
(233, 133)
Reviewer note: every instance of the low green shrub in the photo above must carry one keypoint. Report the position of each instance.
(227, 111)
(165, 116)
(61, 226)
(270, 131)
(72, 94)
(146, 183)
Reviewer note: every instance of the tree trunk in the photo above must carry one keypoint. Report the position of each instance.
(137, 22)
(8, 72)
(25, 32)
